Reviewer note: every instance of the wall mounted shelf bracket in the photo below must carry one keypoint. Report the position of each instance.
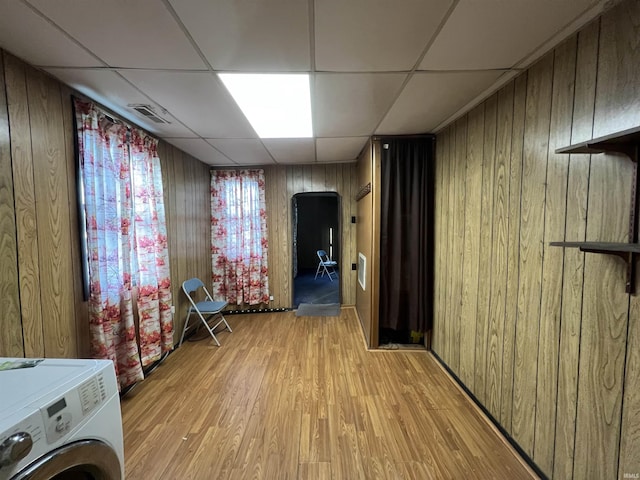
(627, 143)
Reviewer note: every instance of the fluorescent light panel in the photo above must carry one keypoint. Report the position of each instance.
(276, 105)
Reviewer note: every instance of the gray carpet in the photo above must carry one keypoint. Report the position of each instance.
(318, 310)
(308, 289)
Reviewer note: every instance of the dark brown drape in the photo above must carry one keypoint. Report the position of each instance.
(406, 234)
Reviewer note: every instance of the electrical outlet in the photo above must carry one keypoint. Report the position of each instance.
(353, 266)
(271, 298)
(173, 309)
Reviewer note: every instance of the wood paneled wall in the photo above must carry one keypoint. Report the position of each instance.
(45, 311)
(188, 212)
(282, 183)
(364, 237)
(368, 241)
(545, 338)
(42, 312)
(11, 337)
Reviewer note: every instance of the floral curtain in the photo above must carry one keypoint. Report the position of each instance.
(152, 252)
(239, 236)
(114, 244)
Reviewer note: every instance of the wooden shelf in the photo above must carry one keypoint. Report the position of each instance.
(626, 142)
(601, 247)
(622, 142)
(625, 251)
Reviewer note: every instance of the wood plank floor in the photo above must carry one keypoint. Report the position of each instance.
(295, 397)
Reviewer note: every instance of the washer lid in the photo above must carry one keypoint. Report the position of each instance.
(23, 386)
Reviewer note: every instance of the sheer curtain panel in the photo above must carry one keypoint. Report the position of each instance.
(126, 243)
(239, 237)
(152, 252)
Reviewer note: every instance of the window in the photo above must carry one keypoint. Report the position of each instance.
(239, 237)
(122, 206)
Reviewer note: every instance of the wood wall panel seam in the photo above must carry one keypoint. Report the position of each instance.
(493, 388)
(81, 312)
(486, 247)
(471, 248)
(53, 221)
(438, 266)
(515, 185)
(12, 338)
(461, 178)
(553, 261)
(446, 180)
(538, 106)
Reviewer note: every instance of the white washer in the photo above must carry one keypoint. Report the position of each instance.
(60, 419)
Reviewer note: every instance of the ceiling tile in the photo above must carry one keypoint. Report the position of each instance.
(363, 52)
(115, 93)
(430, 98)
(344, 149)
(361, 35)
(243, 151)
(248, 35)
(201, 150)
(291, 150)
(197, 99)
(497, 34)
(352, 104)
(32, 38)
(138, 34)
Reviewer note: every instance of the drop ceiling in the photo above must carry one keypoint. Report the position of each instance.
(381, 67)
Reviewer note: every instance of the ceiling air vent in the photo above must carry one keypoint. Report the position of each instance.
(148, 112)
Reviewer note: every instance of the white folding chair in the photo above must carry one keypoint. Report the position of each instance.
(325, 265)
(207, 307)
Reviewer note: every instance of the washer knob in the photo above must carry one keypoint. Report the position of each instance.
(15, 448)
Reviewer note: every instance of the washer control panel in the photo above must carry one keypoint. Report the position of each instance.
(65, 413)
(57, 419)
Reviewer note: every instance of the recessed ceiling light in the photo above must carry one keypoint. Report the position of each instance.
(276, 105)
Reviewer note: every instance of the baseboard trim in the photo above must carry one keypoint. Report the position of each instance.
(506, 438)
(256, 310)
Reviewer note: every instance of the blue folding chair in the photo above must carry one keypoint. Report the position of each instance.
(326, 265)
(207, 307)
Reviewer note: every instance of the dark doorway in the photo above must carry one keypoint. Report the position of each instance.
(316, 226)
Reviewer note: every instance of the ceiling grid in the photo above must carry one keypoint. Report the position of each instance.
(383, 67)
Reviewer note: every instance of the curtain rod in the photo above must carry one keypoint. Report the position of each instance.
(112, 117)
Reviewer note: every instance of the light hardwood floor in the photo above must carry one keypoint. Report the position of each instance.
(295, 397)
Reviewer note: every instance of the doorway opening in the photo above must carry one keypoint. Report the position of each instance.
(316, 226)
